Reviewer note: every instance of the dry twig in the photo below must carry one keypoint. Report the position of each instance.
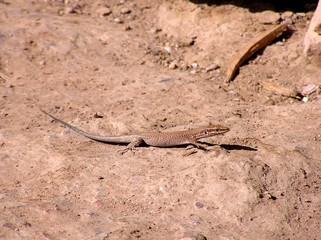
(258, 42)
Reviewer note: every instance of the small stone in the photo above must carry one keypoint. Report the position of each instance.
(173, 65)
(98, 115)
(125, 10)
(194, 65)
(118, 20)
(103, 11)
(69, 10)
(309, 89)
(199, 205)
(168, 49)
(187, 42)
(287, 15)
(268, 17)
(212, 67)
(165, 80)
(73, 9)
(155, 30)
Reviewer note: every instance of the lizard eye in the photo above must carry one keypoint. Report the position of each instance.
(206, 132)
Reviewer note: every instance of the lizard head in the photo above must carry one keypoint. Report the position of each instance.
(211, 130)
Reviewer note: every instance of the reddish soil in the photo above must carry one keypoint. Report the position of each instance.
(121, 67)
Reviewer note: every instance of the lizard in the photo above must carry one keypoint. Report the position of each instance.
(155, 139)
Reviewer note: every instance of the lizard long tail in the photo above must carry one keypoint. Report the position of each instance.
(106, 139)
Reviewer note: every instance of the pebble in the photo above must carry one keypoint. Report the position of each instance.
(118, 20)
(305, 99)
(173, 65)
(125, 10)
(155, 30)
(168, 49)
(269, 17)
(69, 10)
(77, 9)
(199, 205)
(188, 42)
(212, 67)
(287, 15)
(309, 89)
(98, 115)
(194, 65)
(103, 11)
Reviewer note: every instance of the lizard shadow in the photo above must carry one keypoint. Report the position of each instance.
(231, 146)
(225, 146)
(237, 147)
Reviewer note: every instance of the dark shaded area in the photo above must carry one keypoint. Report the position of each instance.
(259, 6)
(237, 147)
(229, 146)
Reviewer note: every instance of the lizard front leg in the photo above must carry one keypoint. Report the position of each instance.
(197, 144)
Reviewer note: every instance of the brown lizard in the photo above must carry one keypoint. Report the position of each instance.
(156, 139)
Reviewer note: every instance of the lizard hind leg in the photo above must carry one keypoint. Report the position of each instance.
(192, 148)
(132, 145)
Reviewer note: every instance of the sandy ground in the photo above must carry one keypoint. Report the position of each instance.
(120, 67)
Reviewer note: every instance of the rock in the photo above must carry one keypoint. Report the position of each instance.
(125, 10)
(118, 20)
(268, 17)
(103, 11)
(194, 65)
(312, 39)
(173, 65)
(212, 67)
(287, 15)
(168, 49)
(200, 236)
(199, 205)
(155, 30)
(309, 89)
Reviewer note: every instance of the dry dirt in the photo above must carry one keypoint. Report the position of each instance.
(119, 67)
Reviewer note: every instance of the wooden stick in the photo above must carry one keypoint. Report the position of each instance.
(258, 42)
